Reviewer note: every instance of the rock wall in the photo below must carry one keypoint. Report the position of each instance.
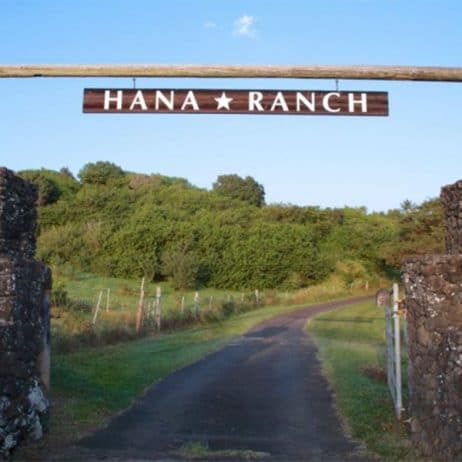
(451, 197)
(25, 286)
(433, 291)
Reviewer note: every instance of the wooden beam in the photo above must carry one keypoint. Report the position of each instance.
(413, 73)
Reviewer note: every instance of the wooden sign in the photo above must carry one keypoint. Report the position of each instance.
(253, 102)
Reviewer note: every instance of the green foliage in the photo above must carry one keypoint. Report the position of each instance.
(182, 268)
(51, 185)
(421, 231)
(47, 190)
(100, 173)
(59, 295)
(130, 225)
(244, 189)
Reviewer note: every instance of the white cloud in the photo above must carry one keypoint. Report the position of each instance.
(210, 25)
(245, 26)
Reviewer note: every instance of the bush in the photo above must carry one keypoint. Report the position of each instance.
(59, 295)
(182, 268)
(228, 308)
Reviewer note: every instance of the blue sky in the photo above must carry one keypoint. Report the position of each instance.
(312, 160)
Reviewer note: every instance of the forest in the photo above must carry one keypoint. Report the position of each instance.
(111, 222)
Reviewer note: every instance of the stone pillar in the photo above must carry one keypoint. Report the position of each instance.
(25, 286)
(433, 291)
(451, 197)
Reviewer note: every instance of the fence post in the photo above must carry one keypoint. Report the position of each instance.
(158, 312)
(397, 350)
(107, 300)
(182, 305)
(257, 296)
(210, 302)
(140, 311)
(196, 305)
(95, 315)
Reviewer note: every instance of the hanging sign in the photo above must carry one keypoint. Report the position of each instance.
(253, 102)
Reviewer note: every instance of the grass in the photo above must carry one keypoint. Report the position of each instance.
(124, 293)
(200, 450)
(351, 343)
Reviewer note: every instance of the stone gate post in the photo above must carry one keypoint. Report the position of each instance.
(433, 290)
(25, 286)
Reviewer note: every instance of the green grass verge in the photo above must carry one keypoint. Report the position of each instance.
(88, 386)
(351, 343)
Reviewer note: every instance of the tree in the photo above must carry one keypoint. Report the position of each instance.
(182, 268)
(100, 172)
(244, 189)
(421, 231)
(47, 190)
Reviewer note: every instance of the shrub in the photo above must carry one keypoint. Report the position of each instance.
(228, 308)
(182, 268)
(59, 295)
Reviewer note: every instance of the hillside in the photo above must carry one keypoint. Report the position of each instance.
(125, 224)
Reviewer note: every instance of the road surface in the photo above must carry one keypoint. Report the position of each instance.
(263, 392)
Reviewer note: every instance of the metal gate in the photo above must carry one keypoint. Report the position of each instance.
(393, 341)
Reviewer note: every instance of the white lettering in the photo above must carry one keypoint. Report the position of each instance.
(310, 105)
(326, 102)
(138, 100)
(108, 99)
(255, 99)
(279, 101)
(190, 100)
(352, 101)
(160, 97)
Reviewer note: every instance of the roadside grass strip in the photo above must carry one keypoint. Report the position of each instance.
(351, 343)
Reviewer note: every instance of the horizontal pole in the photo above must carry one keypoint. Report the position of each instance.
(413, 73)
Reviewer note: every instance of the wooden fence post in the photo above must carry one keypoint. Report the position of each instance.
(140, 311)
(158, 309)
(196, 305)
(95, 315)
(182, 305)
(107, 300)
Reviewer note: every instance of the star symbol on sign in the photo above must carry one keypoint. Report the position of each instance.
(223, 102)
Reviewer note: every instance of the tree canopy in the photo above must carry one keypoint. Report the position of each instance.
(100, 172)
(126, 224)
(244, 189)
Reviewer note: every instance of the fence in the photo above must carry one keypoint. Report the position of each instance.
(152, 308)
(389, 300)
